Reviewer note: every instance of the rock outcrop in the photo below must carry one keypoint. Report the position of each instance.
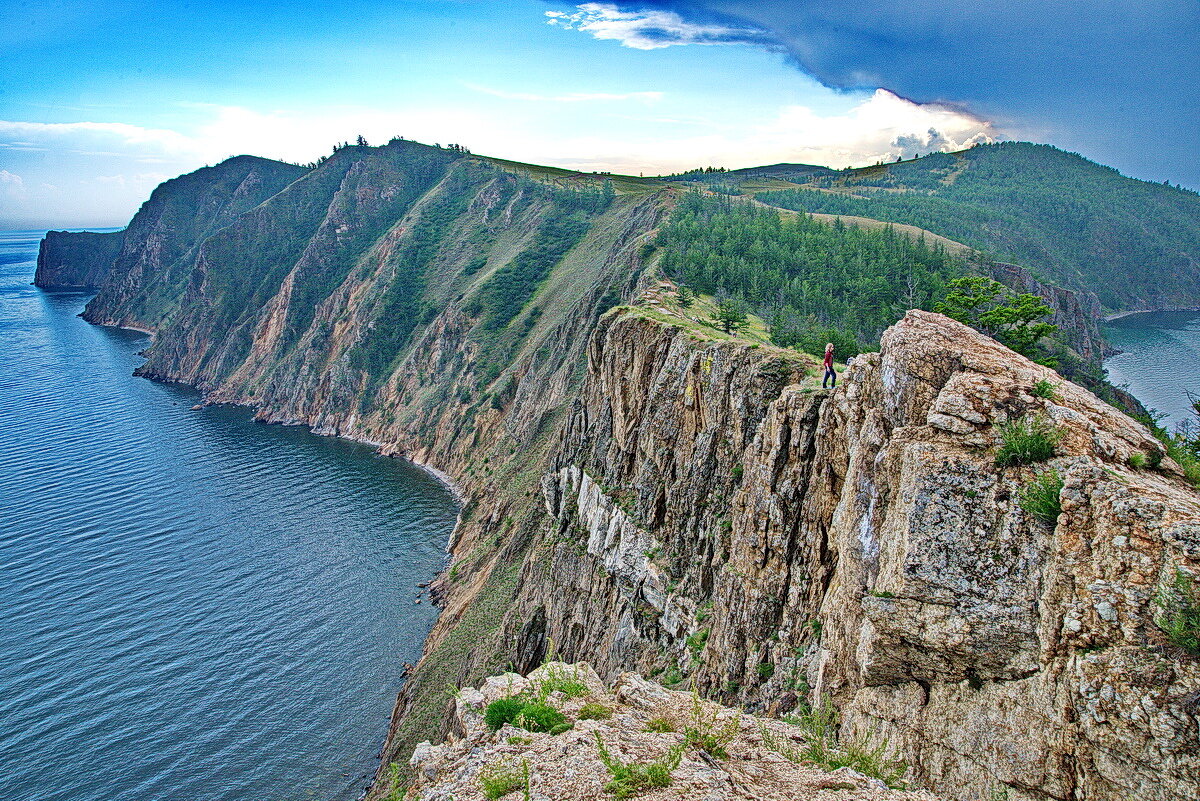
(76, 259)
(705, 751)
(773, 542)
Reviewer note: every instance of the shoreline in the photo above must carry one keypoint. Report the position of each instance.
(1120, 315)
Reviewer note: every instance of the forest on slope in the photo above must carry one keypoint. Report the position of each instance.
(1073, 222)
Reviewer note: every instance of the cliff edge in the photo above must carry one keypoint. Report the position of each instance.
(778, 545)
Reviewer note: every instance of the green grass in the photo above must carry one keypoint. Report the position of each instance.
(1040, 497)
(1044, 389)
(559, 679)
(704, 734)
(503, 710)
(634, 778)
(823, 748)
(594, 711)
(1178, 603)
(498, 780)
(1027, 440)
(660, 725)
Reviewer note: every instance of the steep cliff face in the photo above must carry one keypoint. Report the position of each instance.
(1076, 313)
(772, 542)
(76, 260)
(141, 284)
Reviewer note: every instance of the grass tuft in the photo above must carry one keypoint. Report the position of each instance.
(498, 780)
(1178, 602)
(634, 778)
(1044, 389)
(1041, 497)
(823, 748)
(594, 711)
(1027, 440)
(660, 725)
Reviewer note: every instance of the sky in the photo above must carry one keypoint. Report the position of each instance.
(104, 99)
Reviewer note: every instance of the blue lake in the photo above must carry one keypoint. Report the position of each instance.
(1160, 362)
(192, 605)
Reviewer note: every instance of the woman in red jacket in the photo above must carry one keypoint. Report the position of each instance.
(829, 371)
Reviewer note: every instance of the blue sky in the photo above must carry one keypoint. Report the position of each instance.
(104, 100)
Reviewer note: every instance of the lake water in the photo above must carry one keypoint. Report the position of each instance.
(1161, 360)
(192, 605)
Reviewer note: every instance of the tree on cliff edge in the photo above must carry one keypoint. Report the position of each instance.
(1016, 320)
(730, 316)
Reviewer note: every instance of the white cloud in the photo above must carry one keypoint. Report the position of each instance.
(649, 29)
(570, 97)
(103, 171)
(865, 134)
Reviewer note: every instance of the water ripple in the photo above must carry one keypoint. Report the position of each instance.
(195, 605)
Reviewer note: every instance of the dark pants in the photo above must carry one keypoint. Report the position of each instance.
(829, 373)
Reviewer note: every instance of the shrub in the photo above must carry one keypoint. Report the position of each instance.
(1044, 389)
(1137, 460)
(766, 670)
(1178, 603)
(1040, 497)
(498, 780)
(629, 780)
(539, 717)
(1027, 440)
(503, 710)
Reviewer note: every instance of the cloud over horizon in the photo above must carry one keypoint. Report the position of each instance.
(1116, 80)
(67, 167)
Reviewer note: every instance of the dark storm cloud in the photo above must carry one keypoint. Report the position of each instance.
(1117, 81)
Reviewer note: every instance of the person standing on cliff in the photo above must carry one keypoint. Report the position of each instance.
(829, 371)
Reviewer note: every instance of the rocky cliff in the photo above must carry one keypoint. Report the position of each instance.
(655, 496)
(76, 260)
(711, 520)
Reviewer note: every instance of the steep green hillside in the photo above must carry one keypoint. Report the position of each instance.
(147, 277)
(1074, 222)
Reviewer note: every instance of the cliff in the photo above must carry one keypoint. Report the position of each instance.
(776, 547)
(655, 496)
(76, 260)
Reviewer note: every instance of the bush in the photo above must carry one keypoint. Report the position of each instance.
(1027, 440)
(629, 780)
(766, 670)
(539, 717)
(524, 712)
(1178, 615)
(503, 710)
(1040, 497)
